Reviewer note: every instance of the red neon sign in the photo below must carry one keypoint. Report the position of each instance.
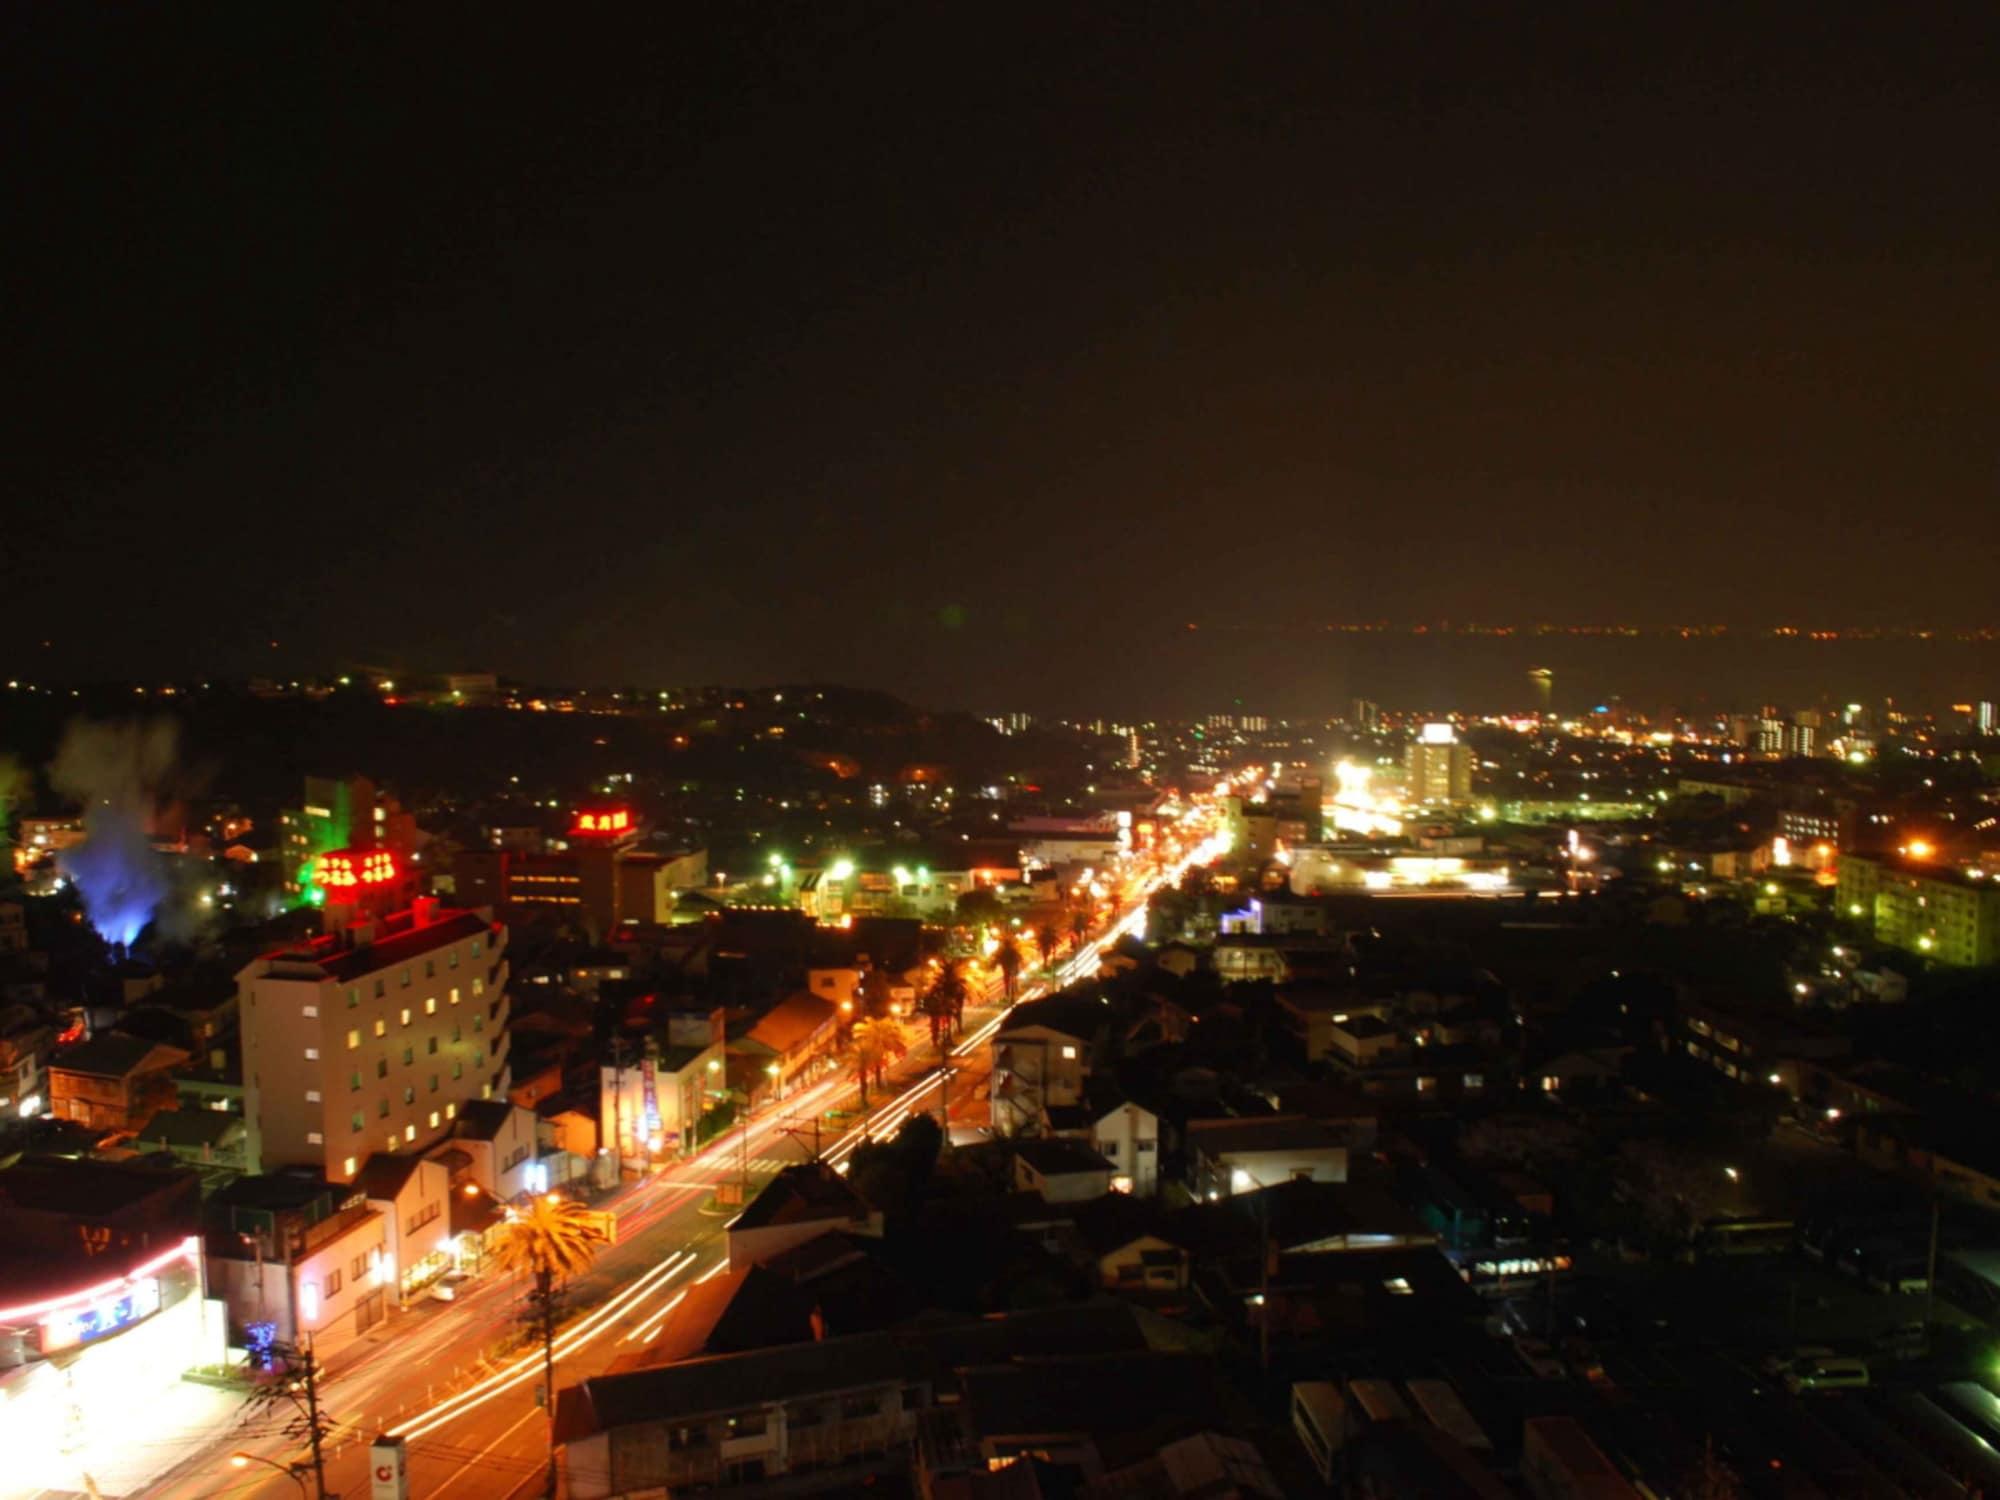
(355, 869)
(611, 820)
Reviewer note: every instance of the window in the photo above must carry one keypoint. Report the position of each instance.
(409, 1132)
(1396, 1286)
(409, 1056)
(359, 1267)
(478, 1024)
(347, 1167)
(856, 1407)
(1425, 1084)
(353, 996)
(430, 1047)
(478, 987)
(458, 1070)
(452, 959)
(382, 1109)
(357, 1122)
(406, 1015)
(409, 1094)
(1475, 1081)
(434, 1083)
(309, 1011)
(393, 1142)
(748, 1424)
(406, 976)
(680, 1439)
(434, 1113)
(354, 1082)
(1069, 1054)
(426, 1215)
(798, 1418)
(312, 1054)
(430, 1005)
(333, 1281)
(353, 1040)
(474, 945)
(381, 988)
(451, 1111)
(454, 994)
(381, 1027)
(430, 968)
(314, 1138)
(312, 1096)
(1147, 1148)
(381, 1067)
(479, 1057)
(457, 1032)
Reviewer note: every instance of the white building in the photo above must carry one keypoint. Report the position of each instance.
(372, 1038)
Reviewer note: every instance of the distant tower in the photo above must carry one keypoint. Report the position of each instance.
(1543, 682)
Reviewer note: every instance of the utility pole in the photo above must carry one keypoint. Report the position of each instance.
(300, 1387)
(1930, 1271)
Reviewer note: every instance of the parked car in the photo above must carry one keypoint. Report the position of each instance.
(1840, 1373)
(445, 1288)
(1539, 1358)
(1790, 1359)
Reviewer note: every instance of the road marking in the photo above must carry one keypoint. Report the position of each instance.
(467, 1467)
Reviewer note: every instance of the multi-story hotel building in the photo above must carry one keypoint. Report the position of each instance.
(373, 1037)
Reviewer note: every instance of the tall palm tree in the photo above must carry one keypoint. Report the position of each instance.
(1007, 959)
(552, 1239)
(1045, 942)
(1079, 924)
(944, 1001)
(877, 1041)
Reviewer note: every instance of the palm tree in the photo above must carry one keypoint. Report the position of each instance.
(1045, 942)
(1007, 959)
(877, 1040)
(1079, 924)
(553, 1238)
(944, 1001)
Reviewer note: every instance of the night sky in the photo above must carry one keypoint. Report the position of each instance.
(971, 352)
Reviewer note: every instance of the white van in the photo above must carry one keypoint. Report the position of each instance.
(1837, 1374)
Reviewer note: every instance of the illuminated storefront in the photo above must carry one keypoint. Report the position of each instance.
(87, 1374)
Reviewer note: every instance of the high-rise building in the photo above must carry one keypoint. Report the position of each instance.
(338, 812)
(1987, 717)
(375, 1036)
(1438, 767)
(1542, 688)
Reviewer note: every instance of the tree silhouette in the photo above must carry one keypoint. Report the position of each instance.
(553, 1239)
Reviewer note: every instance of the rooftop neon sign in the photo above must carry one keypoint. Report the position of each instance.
(609, 820)
(355, 869)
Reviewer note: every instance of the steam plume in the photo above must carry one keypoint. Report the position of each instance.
(118, 772)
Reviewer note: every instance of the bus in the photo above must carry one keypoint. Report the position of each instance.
(1745, 1237)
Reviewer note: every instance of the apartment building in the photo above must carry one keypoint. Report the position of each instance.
(374, 1037)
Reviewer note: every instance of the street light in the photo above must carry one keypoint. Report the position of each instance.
(294, 1472)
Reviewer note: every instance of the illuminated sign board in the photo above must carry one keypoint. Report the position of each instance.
(1481, 1272)
(607, 820)
(355, 869)
(106, 1315)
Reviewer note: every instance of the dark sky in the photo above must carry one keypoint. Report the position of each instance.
(971, 351)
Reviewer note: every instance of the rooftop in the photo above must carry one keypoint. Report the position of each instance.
(801, 1195)
(1056, 1158)
(1259, 1133)
(117, 1056)
(396, 945)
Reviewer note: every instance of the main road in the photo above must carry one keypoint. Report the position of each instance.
(473, 1422)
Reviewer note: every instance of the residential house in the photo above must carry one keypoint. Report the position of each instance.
(1237, 1155)
(800, 1031)
(295, 1255)
(1060, 1171)
(1041, 1057)
(216, 1144)
(497, 1141)
(113, 1082)
(1127, 1134)
(412, 1193)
